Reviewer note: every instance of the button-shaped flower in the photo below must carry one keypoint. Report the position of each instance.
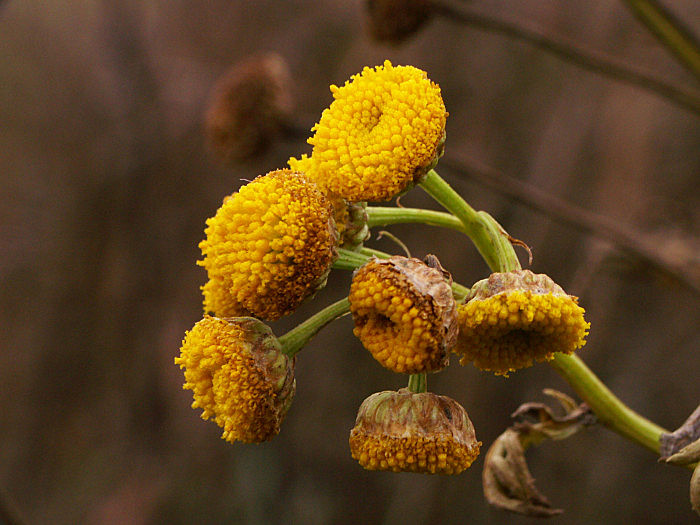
(269, 247)
(383, 131)
(404, 313)
(413, 432)
(238, 376)
(512, 319)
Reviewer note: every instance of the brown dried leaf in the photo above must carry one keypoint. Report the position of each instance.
(507, 481)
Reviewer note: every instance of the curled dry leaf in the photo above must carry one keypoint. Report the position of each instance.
(507, 481)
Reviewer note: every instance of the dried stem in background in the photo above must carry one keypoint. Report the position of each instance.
(575, 54)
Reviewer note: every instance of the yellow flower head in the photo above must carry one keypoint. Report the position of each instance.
(404, 314)
(238, 376)
(407, 432)
(512, 319)
(383, 131)
(269, 247)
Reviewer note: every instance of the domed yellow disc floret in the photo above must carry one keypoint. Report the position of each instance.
(512, 319)
(383, 131)
(404, 314)
(268, 247)
(238, 376)
(407, 432)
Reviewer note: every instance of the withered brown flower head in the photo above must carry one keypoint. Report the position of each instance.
(413, 432)
(248, 108)
(395, 20)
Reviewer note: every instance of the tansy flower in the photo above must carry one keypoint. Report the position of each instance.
(408, 432)
(269, 247)
(383, 131)
(238, 376)
(512, 319)
(404, 313)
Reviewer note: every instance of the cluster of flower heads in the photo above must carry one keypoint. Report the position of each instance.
(271, 246)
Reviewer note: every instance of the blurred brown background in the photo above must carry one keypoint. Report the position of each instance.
(106, 185)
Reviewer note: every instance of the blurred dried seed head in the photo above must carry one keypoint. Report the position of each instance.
(249, 107)
(393, 21)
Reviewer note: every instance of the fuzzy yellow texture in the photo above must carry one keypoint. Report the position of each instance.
(433, 454)
(226, 383)
(510, 330)
(392, 324)
(383, 129)
(268, 247)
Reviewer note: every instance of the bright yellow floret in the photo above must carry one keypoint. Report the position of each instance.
(407, 432)
(404, 314)
(383, 131)
(512, 328)
(269, 247)
(238, 377)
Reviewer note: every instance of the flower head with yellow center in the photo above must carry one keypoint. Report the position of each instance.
(413, 432)
(269, 247)
(383, 131)
(238, 376)
(404, 313)
(512, 319)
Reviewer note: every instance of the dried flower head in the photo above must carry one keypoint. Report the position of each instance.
(408, 432)
(269, 247)
(512, 319)
(249, 106)
(383, 131)
(404, 314)
(395, 20)
(238, 376)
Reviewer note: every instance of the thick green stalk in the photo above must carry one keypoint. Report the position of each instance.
(669, 31)
(474, 226)
(610, 411)
(297, 337)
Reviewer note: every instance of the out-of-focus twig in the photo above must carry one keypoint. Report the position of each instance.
(9, 515)
(575, 54)
(626, 240)
(670, 31)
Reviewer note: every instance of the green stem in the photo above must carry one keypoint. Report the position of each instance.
(610, 411)
(386, 216)
(474, 226)
(418, 383)
(494, 244)
(350, 259)
(297, 337)
(669, 31)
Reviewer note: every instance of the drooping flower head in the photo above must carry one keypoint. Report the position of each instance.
(512, 319)
(404, 313)
(269, 247)
(383, 131)
(238, 376)
(408, 432)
